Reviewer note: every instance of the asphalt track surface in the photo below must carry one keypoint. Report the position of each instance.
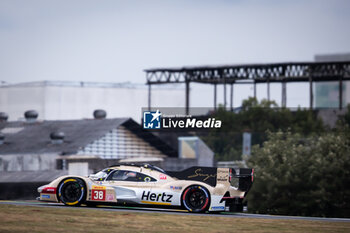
(172, 211)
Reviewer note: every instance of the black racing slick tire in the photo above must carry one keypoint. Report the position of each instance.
(72, 191)
(196, 199)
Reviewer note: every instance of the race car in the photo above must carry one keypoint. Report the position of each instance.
(196, 189)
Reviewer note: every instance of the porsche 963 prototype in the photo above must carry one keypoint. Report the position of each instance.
(196, 189)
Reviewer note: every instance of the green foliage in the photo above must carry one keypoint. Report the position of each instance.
(345, 119)
(257, 117)
(308, 176)
(300, 167)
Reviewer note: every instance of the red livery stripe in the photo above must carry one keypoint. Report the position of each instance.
(51, 190)
(184, 196)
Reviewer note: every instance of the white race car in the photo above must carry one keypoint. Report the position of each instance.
(197, 189)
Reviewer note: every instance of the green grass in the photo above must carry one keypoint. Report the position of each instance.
(38, 219)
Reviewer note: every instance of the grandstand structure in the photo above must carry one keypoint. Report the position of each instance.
(230, 75)
(121, 143)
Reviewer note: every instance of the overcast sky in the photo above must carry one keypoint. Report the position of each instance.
(113, 41)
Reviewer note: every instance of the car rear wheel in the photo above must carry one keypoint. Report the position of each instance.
(72, 191)
(196, 199)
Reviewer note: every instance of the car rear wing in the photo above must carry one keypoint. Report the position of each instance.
(245, 179)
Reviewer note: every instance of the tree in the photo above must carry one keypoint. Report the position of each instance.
(257, 117)
(344, 119)
(296, 175)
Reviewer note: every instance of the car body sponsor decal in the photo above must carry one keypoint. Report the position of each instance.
(98, 187)
(109, 197)
(45, 196)
(156, 198)
(147, 179)
(98, 195)
(200, 173)
(51, 190)
(162, 177)
(223, 174)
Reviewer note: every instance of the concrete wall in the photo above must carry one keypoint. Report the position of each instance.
(205, 155)
(194, 148)
(65, 100)
(78, 169)
(16, 100)
(27, 162)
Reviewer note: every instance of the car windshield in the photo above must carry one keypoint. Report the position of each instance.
(101, 175)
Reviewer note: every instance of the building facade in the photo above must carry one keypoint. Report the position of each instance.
(327, 93)
(58, 100)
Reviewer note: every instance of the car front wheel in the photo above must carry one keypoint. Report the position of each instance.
(72, 191)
